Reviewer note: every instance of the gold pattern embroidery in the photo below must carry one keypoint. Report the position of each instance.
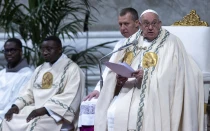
(149, 59)
(128, 57)
(47, 80)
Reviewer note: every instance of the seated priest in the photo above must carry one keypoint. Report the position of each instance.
(53, 94)
(14, 77)
(165, 93)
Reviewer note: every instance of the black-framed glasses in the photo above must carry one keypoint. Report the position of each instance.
(11, 50)
(153, 24)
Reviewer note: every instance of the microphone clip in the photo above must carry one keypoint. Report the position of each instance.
(142, 48)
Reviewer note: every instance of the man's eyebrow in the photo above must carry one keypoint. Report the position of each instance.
(152, 20)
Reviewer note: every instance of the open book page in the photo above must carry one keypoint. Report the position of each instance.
(122, 69)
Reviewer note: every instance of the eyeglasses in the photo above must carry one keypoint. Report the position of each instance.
(153, 24)
(11, 50)
(48, 49)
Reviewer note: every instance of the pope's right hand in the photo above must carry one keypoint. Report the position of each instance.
(138, 74)
(95, 94)
(121, 81)
(10, 112)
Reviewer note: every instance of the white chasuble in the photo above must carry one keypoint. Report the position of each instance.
(170, 97)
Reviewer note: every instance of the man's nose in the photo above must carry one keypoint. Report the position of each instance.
(45, 52)
(9, 52)
(123, 27)
(150, 27)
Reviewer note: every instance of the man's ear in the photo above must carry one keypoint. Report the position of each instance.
(21, 52)
(140, 25)
(60, 50)
(160, 23)
(137, 23)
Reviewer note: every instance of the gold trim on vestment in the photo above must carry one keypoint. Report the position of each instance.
(150, 59)
(205, 108)
(128, 57)
(47, 80)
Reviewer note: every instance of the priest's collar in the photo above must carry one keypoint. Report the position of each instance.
(21, 65)
(61, 57)
(146, 40)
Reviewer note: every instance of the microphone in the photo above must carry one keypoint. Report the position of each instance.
(135, 42)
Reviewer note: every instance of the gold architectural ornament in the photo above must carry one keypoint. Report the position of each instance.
(150, 59)
(191, 19)
(47, 80)
(128, 58)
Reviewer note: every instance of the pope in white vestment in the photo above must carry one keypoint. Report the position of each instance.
(170, 97)
(12, 81)
(58, 88)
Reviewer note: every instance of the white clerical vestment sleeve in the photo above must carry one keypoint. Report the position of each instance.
(26, 96)
(54, 115)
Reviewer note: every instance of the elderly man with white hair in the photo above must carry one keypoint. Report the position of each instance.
(165, 92)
